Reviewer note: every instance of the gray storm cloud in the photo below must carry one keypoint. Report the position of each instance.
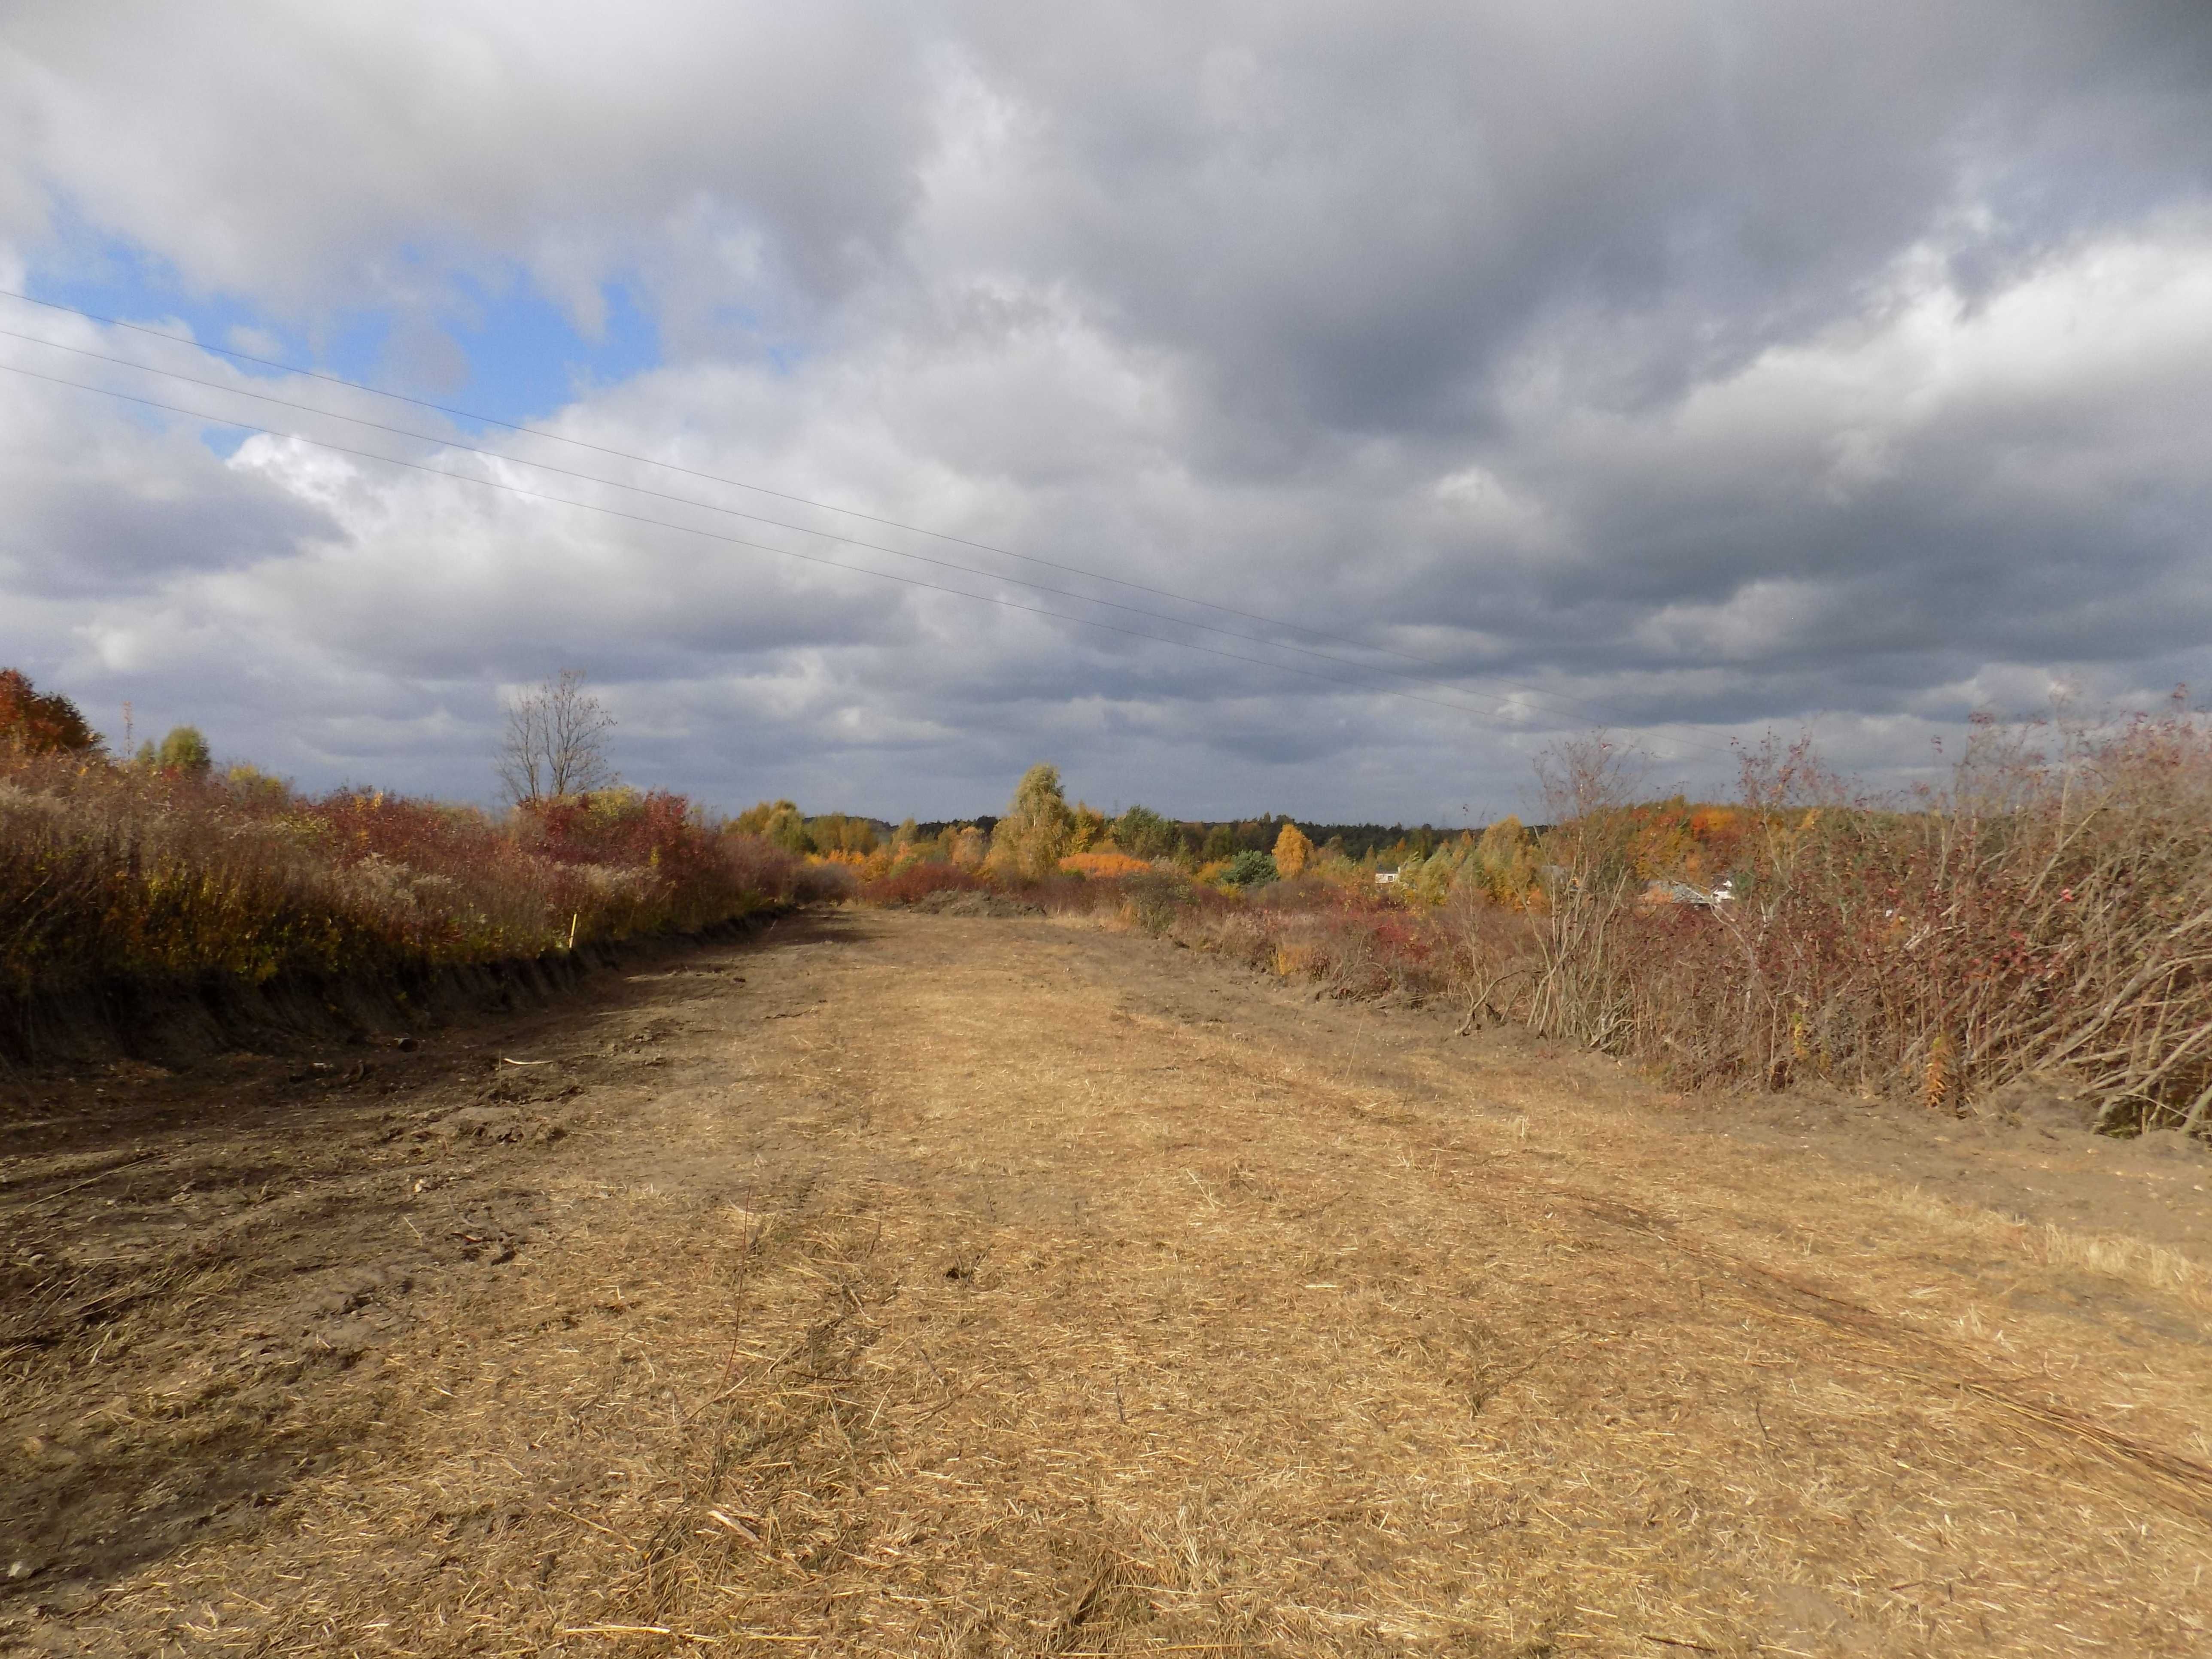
(1695, 366)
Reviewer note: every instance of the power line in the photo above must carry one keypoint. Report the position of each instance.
(710, 506)
(1587, 709)
(739, 541)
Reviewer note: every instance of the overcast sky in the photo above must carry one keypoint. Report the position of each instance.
(1688, 368)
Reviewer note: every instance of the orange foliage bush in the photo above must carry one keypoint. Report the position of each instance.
(1102, 864)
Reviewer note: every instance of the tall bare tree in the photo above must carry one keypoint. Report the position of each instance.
(556, 742)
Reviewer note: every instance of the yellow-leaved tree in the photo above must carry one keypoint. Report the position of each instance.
(1086, 830)
(1034, 832)
(1507, 862)
(1293, 852)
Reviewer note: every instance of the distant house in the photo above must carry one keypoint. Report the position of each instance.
(1385, 878)
(1680, 892)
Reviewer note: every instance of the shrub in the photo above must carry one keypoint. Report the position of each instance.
(1067, 894)
(1249, 869)
(1104, 865)
(812, 883)
(2042, 912)
(917, 881)
(1153, 899)
(111, 873)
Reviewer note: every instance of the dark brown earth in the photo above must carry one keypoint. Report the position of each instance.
(981, 1284)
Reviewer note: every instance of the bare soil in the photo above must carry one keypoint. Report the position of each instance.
(962, 1284)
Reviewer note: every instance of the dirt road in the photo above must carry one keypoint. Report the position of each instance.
(914, 1284)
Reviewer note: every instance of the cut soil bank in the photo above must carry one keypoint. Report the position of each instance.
(912, 1284)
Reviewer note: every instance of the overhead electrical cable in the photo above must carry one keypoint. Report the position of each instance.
(779, 524)
(1559, 699)
(739, 541)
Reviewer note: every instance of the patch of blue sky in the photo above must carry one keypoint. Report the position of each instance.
(505, 352)
(109, 277)
(526, 358)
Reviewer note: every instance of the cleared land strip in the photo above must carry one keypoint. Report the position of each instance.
(905, 1285)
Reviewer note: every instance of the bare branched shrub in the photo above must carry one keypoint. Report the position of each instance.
(1582, 981)
(2048, 910)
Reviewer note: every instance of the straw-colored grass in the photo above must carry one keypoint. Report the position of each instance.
(1001, 1288)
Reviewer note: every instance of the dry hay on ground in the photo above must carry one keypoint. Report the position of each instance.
(1018, 1291)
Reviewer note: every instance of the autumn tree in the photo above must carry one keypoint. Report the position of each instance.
(776, 821)
(555, 745)
(1505, 861)
(1034, 832)
(1292, 850)
(1430, 880)
(185, 749)
(34, 722)
(841, 832)
(1087, 828)
(1143, 833)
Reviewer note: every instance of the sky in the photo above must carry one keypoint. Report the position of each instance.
(1281, 407)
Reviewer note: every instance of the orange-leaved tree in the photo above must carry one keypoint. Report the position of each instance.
(1293, 851)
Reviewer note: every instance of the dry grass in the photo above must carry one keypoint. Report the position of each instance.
(2131, 1261)
(123, 874)
(992, 1299)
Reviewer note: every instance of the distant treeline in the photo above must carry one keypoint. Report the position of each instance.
(1138, 831)
(1207, 839)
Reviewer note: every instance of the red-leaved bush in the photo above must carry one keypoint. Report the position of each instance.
(124, 872)
(918, 881)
